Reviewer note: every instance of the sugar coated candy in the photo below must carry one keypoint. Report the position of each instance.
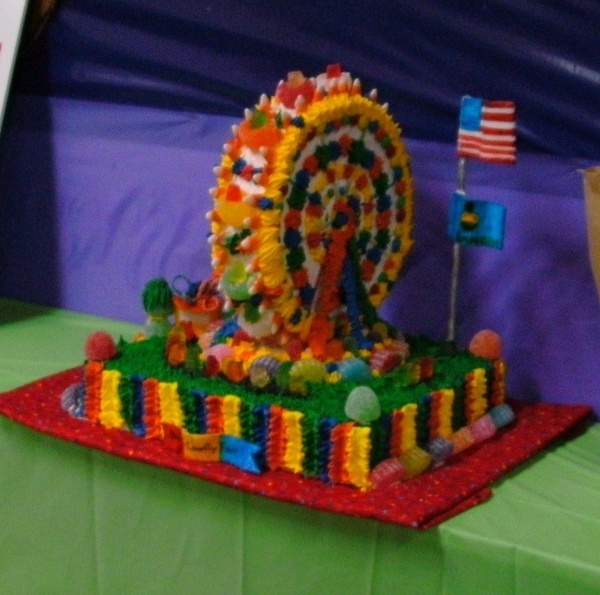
(100, 346)
(306, 370)
(486, 344)
(385, 360)
(462, 439)
(483, 429)
(415, 461)
(440, 449)
(387, 473)
(502, 415)
(362, 405)
(354, 369)
(263, 370)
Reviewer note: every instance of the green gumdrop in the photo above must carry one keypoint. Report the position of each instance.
(362, 405)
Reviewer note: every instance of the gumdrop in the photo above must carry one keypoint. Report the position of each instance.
(100, 347)
(354, 369)
(486, 344)
(306, 370)
(362, 405)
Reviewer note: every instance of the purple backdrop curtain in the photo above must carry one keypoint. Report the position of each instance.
(120, 109)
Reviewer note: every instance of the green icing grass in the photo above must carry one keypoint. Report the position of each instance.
(146, 358)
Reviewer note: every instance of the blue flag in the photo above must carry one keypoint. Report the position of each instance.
(241, 453)
(476, 222)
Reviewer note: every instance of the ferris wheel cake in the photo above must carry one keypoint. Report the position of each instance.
(313, 212)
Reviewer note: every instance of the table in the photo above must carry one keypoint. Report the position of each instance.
(77, 520)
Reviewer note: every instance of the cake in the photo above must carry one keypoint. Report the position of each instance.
(280, 360)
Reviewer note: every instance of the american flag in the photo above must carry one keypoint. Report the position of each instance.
(487, 130)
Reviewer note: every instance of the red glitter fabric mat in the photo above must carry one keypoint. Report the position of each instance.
(420, 503)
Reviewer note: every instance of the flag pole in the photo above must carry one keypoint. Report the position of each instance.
(462, 182)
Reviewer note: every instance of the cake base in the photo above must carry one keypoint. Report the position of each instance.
(420, 503)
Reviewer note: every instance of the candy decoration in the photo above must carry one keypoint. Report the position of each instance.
(384, 361)
(440, 449)
(415, 461)
(73, 398)
(100, 346)
(354, 369)
(483, 429)
(303, 371)
(462, 439)
(219, 352)
(486, 344)
(387, 473)
(502, 415)
(362, 405)
(262, 370)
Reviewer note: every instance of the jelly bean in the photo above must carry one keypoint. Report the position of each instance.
(362, 405)
(440, 449)
(294, 349)
(385, 360)
(387, 473)
(502, 415)
(263, 369)
(483, 429)
(462, 439)
(415, 461)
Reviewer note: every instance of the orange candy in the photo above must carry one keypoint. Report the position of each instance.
(486, 344)
(255, 138)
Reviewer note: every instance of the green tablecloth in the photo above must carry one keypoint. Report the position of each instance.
(76, 520)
